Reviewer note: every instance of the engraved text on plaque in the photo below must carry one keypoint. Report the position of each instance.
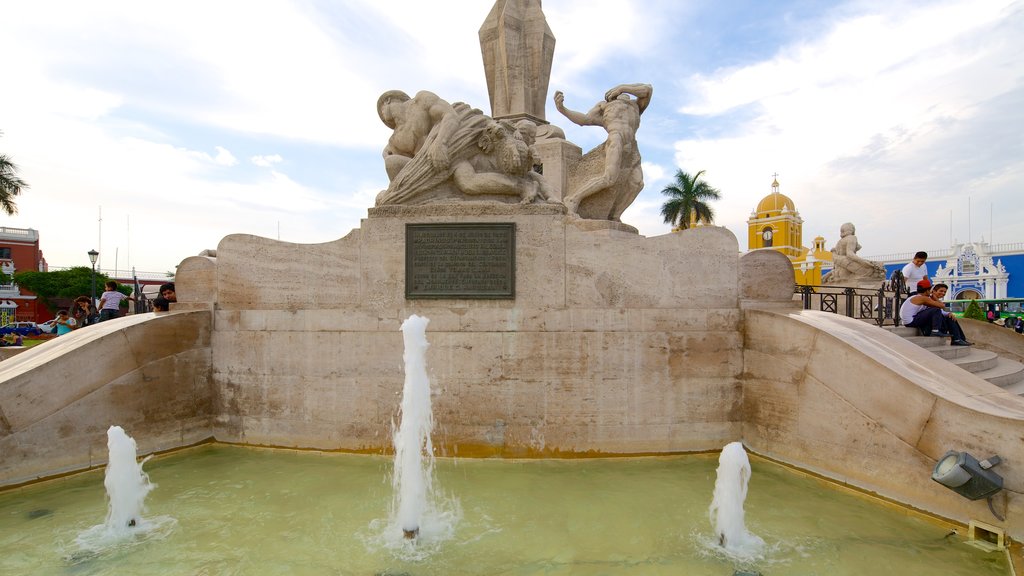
(460, 260)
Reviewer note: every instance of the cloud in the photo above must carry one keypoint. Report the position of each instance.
(224, 157)
(145, 111)
(865, 115)
(653, 173)
(266, 161)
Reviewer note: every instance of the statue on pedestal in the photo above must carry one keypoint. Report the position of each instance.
(848, 268)
(443, 151)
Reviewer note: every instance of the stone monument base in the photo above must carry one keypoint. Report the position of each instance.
(612, 343)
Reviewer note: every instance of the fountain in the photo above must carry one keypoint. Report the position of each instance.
(726, 511)
(127, 487)
(557, 330)
(414, 454)
(619, 516)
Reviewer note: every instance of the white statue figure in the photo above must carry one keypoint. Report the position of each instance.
(621, 176)
(847, 266)
(444, 151)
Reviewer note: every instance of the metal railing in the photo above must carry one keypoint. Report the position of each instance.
(879, 305)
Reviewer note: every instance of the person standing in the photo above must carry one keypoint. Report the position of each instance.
(110, 301)
(915, 270)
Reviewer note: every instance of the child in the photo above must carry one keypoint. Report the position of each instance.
(65, 323)
(110, 301)
(160, 304)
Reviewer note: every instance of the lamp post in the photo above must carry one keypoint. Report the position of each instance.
(93, 255)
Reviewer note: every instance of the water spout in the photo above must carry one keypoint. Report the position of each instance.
(726, 511)
(127, 485)
(414, 454)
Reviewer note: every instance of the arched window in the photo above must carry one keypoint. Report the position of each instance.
(767, 235)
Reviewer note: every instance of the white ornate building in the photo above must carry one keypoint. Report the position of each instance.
(972, 273)
(973, 270)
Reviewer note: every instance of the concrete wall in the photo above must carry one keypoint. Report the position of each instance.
(858, 404)
(998, 339)
(11, 351)
(149, 374)
(614, 342)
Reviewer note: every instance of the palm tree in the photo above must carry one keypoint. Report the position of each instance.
(686, 205)
(10, 184)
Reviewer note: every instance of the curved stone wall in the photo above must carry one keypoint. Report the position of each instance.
(148, 373)
(614, 343)
(865, 407)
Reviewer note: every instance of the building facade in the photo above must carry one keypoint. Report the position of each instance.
(973, 270)
(19, 251)
(776, 225)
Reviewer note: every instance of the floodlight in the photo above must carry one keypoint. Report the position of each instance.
(963, 474)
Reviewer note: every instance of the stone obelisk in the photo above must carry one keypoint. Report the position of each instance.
(518, 48)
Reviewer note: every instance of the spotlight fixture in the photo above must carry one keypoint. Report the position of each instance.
(963, 474)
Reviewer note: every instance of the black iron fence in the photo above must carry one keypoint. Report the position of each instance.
(880, 305)
(142, 304)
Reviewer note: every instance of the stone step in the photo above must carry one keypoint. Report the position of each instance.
(947, 352)
(1016, 388)
(1007, 374)
(976, 360)
(927, 341)
(1003, 372)
(902, 331)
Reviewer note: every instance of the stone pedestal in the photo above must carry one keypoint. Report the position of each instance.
(612, 343)
(557, 155)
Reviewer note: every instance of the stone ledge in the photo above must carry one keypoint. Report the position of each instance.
(461, 319)
(467, 208)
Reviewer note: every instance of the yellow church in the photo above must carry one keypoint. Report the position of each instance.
(776, 225)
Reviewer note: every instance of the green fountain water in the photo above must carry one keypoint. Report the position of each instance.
(256, 511)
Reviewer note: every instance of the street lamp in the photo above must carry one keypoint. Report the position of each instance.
(93, 255)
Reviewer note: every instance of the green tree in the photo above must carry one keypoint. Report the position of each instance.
(687, 203)
(10, 184)
(974, 312)
(63, 284)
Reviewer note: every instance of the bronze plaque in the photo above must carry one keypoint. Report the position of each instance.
(460, 260)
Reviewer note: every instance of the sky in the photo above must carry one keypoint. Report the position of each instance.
(149, 131)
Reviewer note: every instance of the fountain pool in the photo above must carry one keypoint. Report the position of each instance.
(252, 511)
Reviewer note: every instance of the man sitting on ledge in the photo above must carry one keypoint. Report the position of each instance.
(926, 312)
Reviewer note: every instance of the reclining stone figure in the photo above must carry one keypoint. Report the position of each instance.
(435, 142)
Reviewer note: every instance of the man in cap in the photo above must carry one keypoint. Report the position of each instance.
(926, 312)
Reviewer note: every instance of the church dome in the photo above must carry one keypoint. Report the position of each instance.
(775, 203)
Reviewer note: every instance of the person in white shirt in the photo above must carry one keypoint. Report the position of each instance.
(915, 271)
(110, 301)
